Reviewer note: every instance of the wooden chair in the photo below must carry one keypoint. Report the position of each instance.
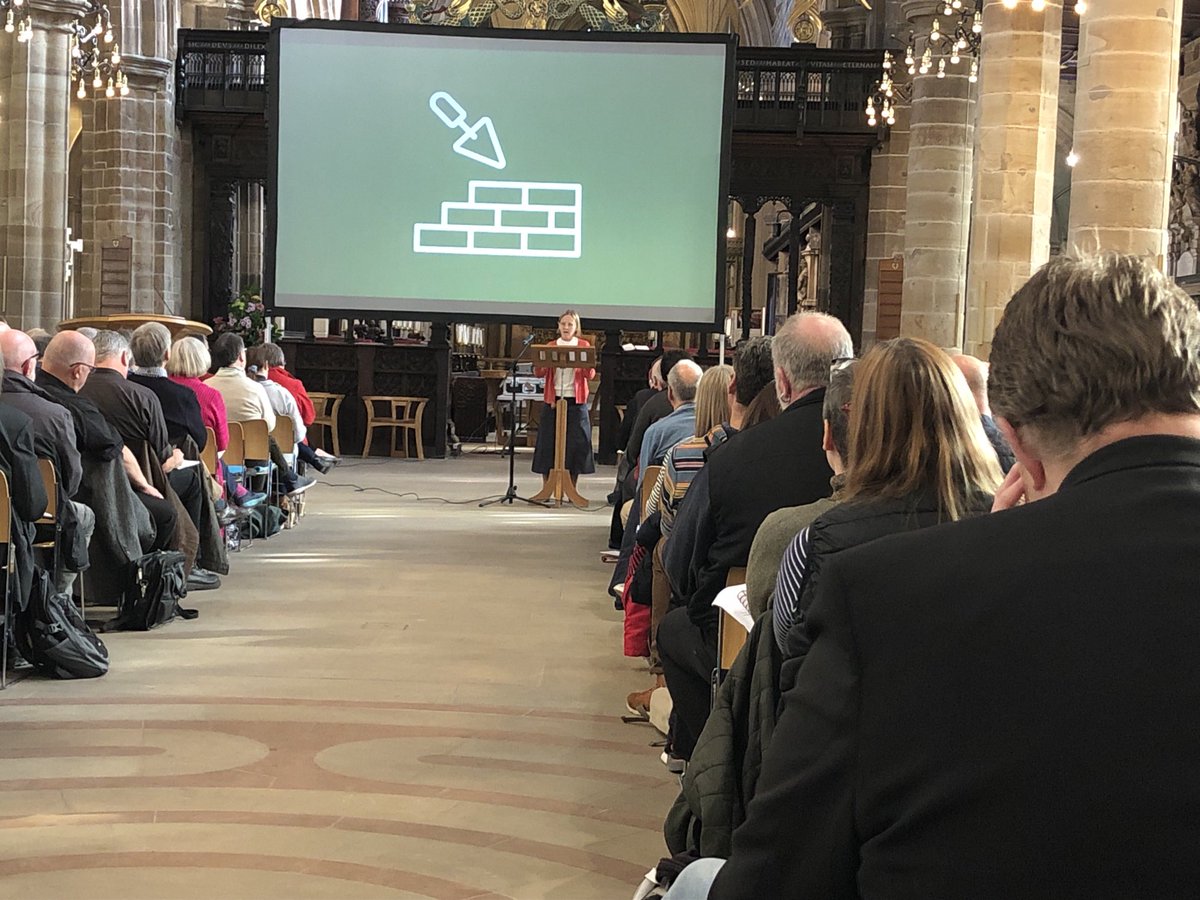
(327, 406)
(284, 433)
(648, 482)
(208, 455)
(256, 451)
(10, 572)
(51, 518)
(406, 415)
(731, 636)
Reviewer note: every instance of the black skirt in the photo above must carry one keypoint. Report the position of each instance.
(579, 460)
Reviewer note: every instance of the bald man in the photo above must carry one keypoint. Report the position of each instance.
(976, 373)
(53, 425)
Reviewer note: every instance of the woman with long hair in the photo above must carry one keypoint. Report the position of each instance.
(571, 385)
(918, 456)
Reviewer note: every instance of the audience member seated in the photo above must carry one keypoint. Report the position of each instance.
(1007, 706)
(41, 339)
(53, 439)
(655, 384)
(244, 398)
(276, 372)
(188, 360)
(134, 411)
(284, 404)
(976, 373)
(151, 349)
(679, 425)
(779, 463)
(920, 457)
(112, 485)
(654, 408)
(26, 493)
(780, 528)
(646, 585)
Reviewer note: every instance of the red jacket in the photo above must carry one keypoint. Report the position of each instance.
(582, 377)
(295, 387)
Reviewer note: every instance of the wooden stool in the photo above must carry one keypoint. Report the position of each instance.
(404, 419)
(327, 415)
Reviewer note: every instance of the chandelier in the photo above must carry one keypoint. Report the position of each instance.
(95, 57)
(14, 21)
(881, 104)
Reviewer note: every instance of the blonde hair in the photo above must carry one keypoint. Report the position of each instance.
(574, 315)
(712, 399)
(914, 427)
(189, 357)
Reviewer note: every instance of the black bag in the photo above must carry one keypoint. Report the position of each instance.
(156, 585)
(265, 521)
(51, 634)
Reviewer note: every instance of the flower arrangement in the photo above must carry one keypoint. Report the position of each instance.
(247, 316)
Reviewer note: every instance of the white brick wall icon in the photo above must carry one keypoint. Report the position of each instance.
(508, 218)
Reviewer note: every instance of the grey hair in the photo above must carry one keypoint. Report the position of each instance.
(189, 357)
(150, 343)
(683, 380)
(806, 346)
(109, 344)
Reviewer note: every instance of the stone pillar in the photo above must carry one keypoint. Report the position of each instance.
(885, 222)
(129, 189)
(938, 198)
(1125, 118)
(1016, 136)
(35, 91)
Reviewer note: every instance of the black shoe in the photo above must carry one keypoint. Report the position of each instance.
(203, 580)
(302, 484)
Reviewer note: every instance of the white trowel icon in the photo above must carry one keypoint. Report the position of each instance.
(478, 141)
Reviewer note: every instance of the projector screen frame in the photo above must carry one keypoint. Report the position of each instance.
(594, 323)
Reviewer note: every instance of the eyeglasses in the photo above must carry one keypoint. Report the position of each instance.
(30, 359)
(90, 367)
(841, 362)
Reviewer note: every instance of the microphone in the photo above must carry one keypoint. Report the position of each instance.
(528, 339)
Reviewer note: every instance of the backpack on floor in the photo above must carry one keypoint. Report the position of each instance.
(51, 634)
(264, 521)
(151, 598)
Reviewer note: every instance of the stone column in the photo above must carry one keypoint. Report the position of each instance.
(885, 221)
(938, 197)
(35, 90)
(129, 189)
(1125, 118)
(1014, 160)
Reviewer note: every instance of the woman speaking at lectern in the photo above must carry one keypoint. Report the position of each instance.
(571, 384)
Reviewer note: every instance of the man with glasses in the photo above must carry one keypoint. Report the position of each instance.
(53, 439)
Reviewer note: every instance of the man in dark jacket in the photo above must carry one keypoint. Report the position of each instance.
(28, 497)
(151, 346)
(54, 440)
(776, 464)
(1008, 706)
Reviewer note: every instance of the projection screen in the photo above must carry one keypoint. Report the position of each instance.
(457, 174)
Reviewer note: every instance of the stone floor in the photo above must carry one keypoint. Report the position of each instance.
(398, 699)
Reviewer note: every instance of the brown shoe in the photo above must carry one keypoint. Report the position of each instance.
(638, 703)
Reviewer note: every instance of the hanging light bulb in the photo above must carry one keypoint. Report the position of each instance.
(124, 85)
(110, 91)
(1038, 5)
(973, 75)
(941, 73)
(76, 53)
(935, 34)
(8, 22)
(887, 61)
(947, 9)
(977, 23)
(730, 233)
(1080, 7)
(82, 92)
(1010, 4)
(108, 35)
(115, 58)
(1072, 159)
(908, 56)
(926, 61)
(25, 35)
(97, 81)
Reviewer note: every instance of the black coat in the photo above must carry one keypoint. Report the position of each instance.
(181, 409)
(25, 488)
(998, 708)
(755, 472)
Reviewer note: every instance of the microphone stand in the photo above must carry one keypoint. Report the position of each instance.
(511, 494)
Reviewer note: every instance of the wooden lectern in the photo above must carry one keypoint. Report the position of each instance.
(555, 357)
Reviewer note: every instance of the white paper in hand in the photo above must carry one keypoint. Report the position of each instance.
(733, 600)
